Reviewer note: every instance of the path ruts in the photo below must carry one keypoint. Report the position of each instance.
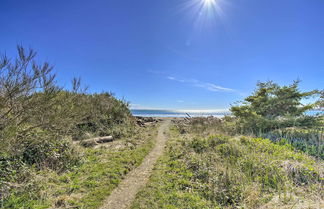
(123, 196)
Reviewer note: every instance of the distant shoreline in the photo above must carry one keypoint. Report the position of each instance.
(157, 113)
(177, 113)
(177, 116)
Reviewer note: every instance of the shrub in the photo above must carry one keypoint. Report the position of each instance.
(38, 118)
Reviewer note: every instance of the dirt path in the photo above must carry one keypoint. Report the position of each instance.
(123, 196)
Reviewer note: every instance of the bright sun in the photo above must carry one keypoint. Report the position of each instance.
(209, 2)
(204, 12)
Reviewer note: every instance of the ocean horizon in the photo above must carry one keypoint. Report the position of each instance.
(178, 113)
(192, 113)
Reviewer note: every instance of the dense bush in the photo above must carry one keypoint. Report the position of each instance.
(100, 114)
(38, 118)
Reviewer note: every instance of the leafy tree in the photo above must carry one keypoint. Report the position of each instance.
(272, 106)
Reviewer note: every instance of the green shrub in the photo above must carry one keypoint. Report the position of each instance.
(38, 118)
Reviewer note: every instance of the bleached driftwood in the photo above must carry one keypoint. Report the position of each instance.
(97, 140)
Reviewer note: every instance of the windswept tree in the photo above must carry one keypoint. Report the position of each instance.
(272, 106)
(320, 102)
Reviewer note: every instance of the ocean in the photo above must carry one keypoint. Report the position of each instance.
(192, 113)
(179, 113)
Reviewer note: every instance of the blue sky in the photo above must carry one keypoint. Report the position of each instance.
(169, 53)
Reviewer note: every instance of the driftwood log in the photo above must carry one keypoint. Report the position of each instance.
(143, 121)
(98, 140)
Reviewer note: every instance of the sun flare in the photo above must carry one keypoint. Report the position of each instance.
(205, 12)
(209, 2)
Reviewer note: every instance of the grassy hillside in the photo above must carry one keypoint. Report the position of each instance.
(220, 171)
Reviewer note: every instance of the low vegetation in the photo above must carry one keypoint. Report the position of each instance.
(88, 184)
(221, 171)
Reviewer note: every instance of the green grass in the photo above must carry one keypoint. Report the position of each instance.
(308, 140)
(232, 172)
(89, 184)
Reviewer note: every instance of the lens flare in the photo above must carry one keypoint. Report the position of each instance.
(203, 12)
(209, 2)
(209, 8)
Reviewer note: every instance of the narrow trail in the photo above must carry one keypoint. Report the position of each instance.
(123, 196)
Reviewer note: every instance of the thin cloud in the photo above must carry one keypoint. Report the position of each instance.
(212, 87)
(199, 84)
(175, 79)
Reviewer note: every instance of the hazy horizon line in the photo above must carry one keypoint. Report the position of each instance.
(185, 110)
